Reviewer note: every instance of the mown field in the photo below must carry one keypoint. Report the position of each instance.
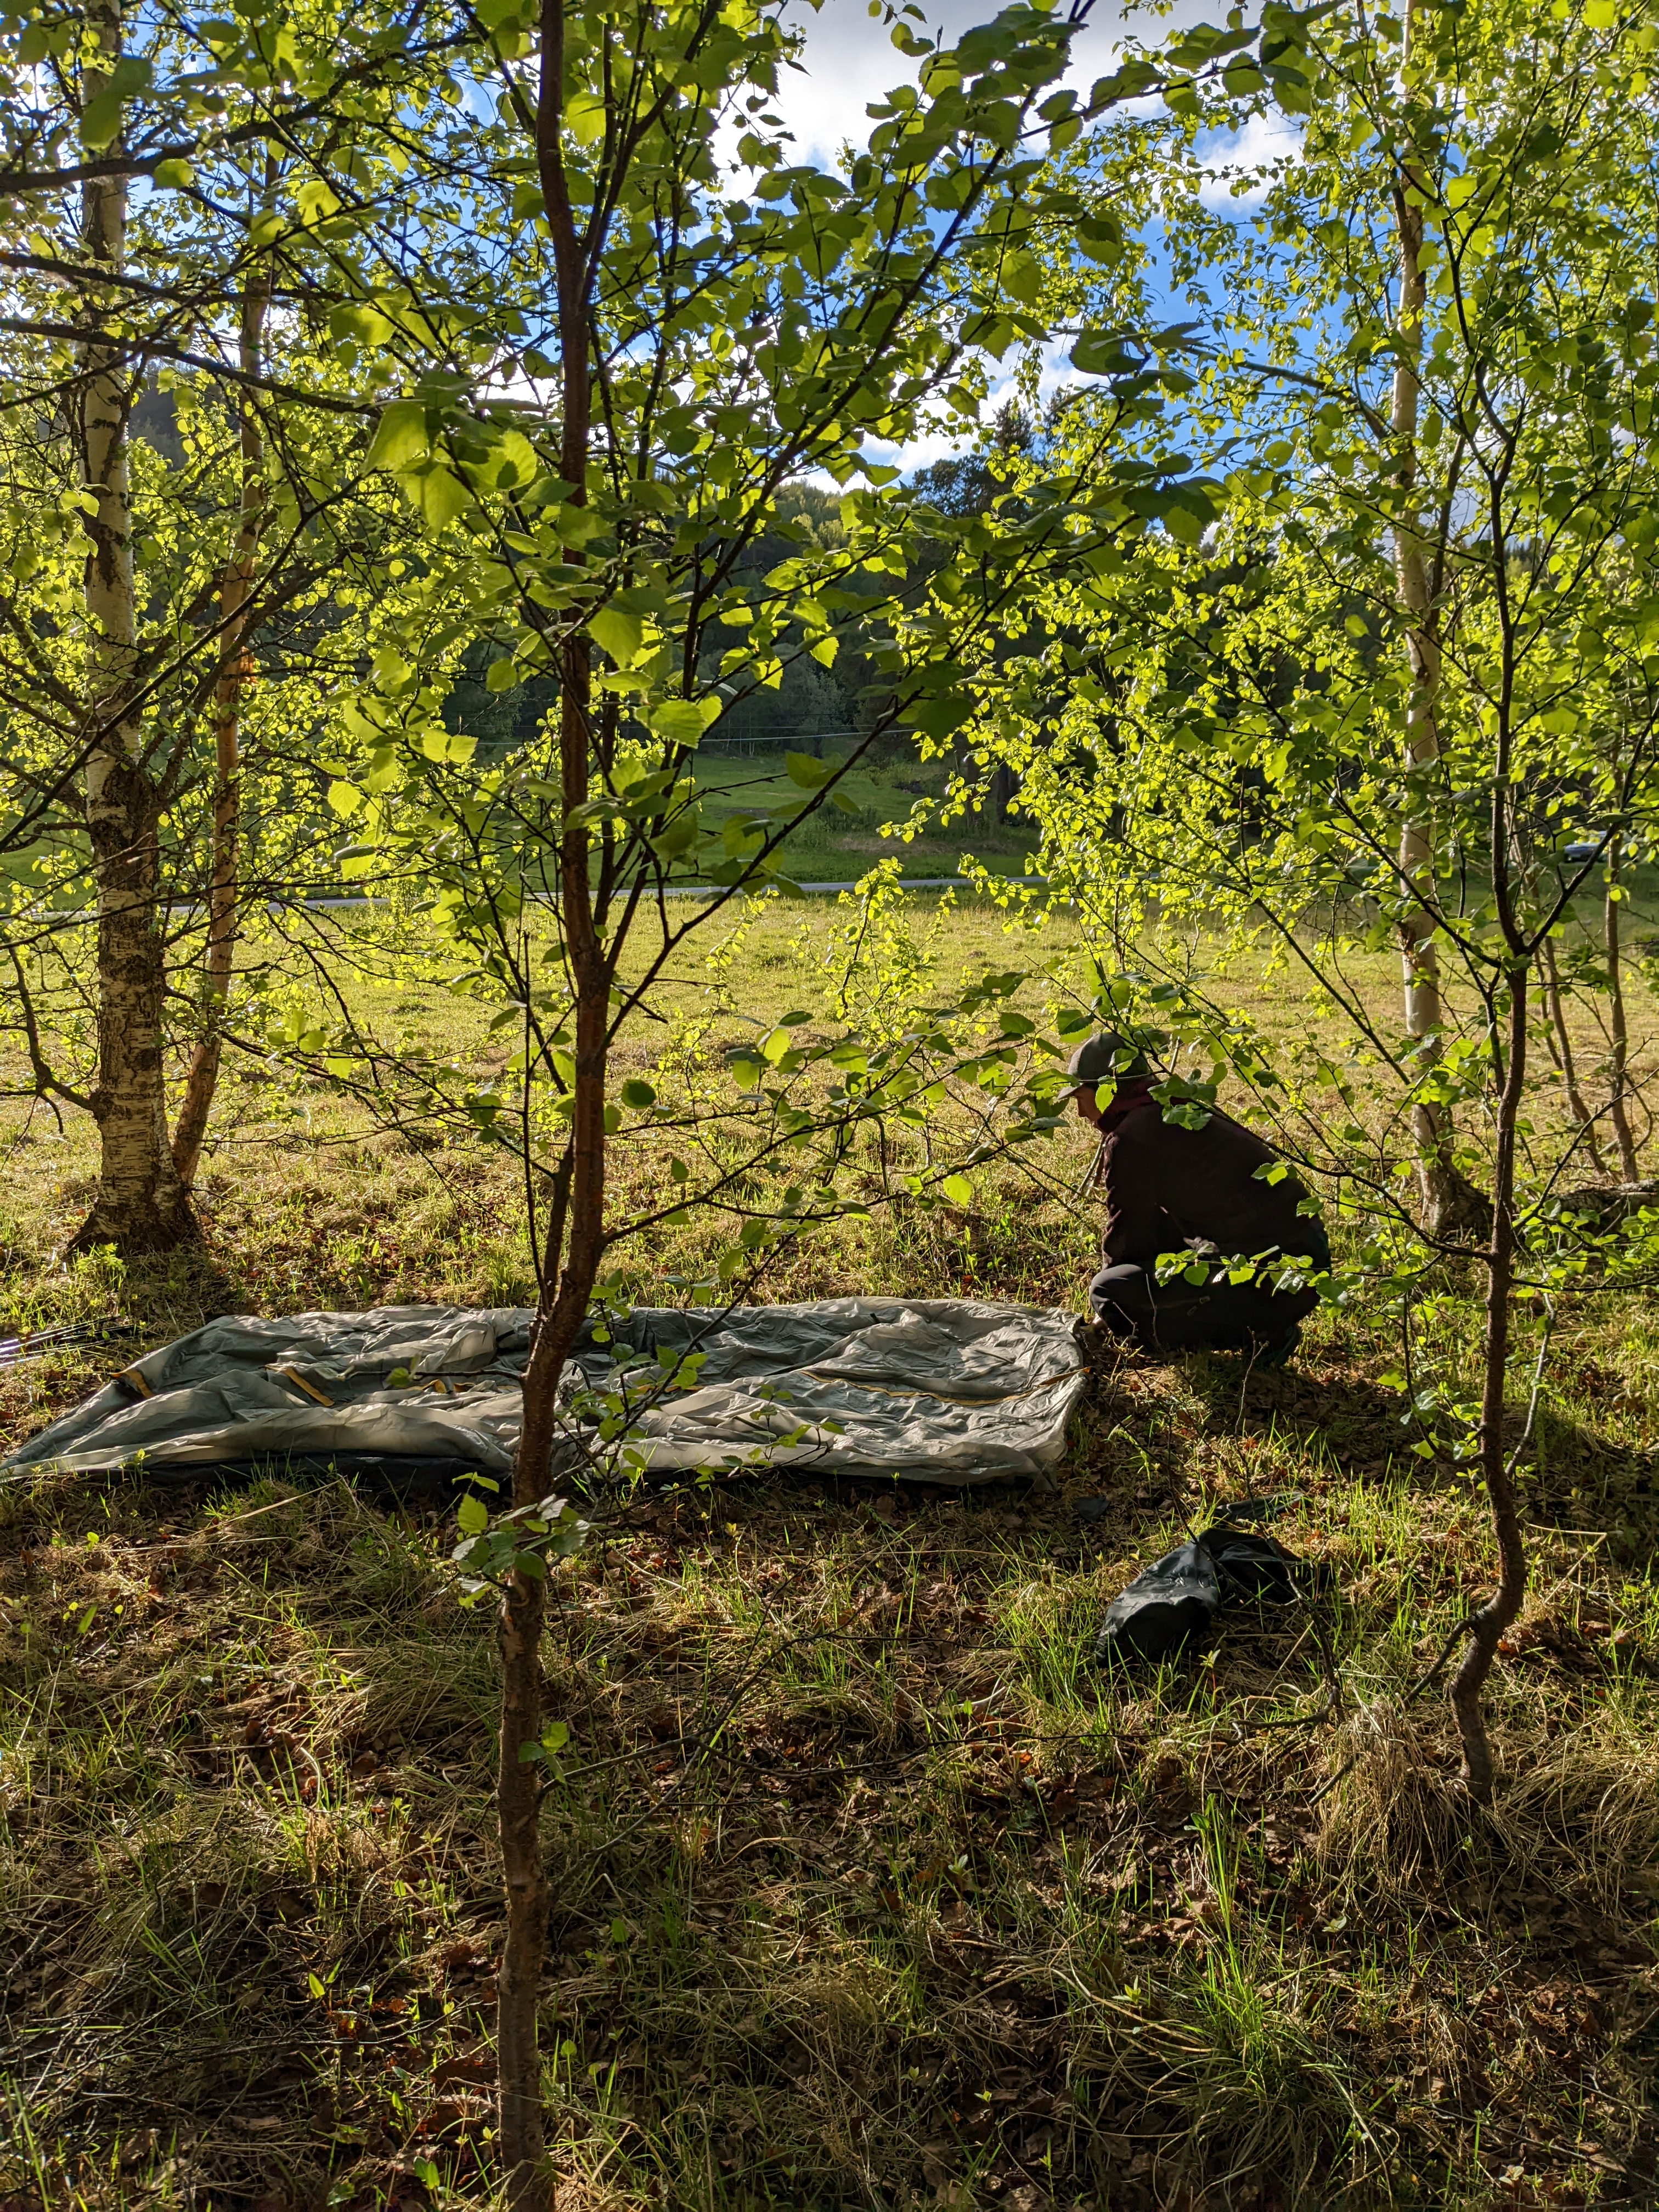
(871, 1888)
(838, 845)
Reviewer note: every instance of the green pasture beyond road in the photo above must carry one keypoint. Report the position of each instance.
(836, 844)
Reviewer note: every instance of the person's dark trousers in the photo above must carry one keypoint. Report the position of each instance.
(1181, 1316)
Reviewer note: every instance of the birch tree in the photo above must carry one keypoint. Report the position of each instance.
(1451, 1207)
(1413, 668)
(115, 707)
(140, 1199)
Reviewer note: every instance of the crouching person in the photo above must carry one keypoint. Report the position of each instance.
(1169, 1188)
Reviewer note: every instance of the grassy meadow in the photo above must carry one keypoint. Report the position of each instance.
(837, 844)
(871, 1888)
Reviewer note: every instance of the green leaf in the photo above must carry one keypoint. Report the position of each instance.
(101, 119)
(441, 497)
(174, 176)
(473, 1516)
(316, 201)
(957, 1190)
(637, 1093)
(401, 439)
(938, 717)
(513, 462)
(683, 721)
(1099, 236)
(617, 631)
(1102, 352)
(810, 774)
(585, 117)
(575, 526)
(1183, 525)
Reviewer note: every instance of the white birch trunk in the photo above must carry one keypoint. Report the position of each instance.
(1618, 1030)
(140, 1203)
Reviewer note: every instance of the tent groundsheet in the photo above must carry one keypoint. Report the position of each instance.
(930, 1389)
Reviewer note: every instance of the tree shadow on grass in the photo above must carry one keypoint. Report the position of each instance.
(170, 1293)
(1570, 1474)
(1357, 1423)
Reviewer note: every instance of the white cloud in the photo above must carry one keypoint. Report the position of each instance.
(1266, 140)
(849, 60)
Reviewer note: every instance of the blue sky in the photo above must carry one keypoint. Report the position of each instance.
(850, 61)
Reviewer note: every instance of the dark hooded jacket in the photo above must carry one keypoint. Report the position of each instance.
(1166, 1187)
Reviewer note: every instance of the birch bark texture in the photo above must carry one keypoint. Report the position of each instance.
(140, 1203)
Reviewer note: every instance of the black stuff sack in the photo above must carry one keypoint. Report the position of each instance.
(1165, 1604)
(1254, 1566)
(1182, 1593)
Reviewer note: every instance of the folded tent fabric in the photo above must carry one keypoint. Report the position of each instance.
(950, 1390)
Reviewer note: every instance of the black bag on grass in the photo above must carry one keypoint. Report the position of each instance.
(1165, 1604)
(1182, 1593)
(1254, 1566)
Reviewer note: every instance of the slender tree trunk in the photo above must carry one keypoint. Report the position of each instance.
(1003, 788)
(1452, 1208)
(1560, 1045)
(517, 1804)
(1489, 1621)
(575, 1238)
(234, 588)
(1619, 1057)
(140, 1203)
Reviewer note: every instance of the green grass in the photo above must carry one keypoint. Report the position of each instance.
(941, 1914)
(836, 846)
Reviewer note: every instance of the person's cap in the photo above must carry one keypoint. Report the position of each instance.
(1102, 1058)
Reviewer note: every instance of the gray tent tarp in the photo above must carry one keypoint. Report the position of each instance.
(931, 1389)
